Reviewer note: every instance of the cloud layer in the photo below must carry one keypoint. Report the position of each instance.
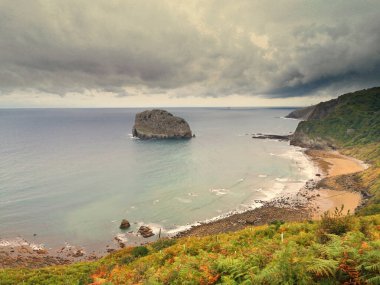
(202, 48)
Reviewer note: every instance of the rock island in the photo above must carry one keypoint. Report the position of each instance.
(160, 124)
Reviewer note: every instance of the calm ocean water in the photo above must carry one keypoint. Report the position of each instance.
(71, 175)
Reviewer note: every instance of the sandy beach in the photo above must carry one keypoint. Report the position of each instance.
(333, 194)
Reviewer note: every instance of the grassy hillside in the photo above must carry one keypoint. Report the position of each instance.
(350, 120)
(370, 178)
(350, 123)
(333, 251)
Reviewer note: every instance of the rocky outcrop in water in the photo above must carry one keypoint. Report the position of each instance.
(124, 224)
(145, 231)
(271, 137)
(160, 124)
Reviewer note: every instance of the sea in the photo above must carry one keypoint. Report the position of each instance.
(69, 176)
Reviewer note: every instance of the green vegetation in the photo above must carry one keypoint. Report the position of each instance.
(370, 178)
(333, 251)
(352, 123)
(354, 119)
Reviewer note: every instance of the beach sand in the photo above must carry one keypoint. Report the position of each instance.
(333, 165)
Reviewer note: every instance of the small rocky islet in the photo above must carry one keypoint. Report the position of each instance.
(160, 124)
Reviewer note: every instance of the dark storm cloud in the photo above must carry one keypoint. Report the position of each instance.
(276, 49)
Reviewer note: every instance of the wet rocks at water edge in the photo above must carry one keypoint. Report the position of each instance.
(124, 224)
(160, 124)
(78, 253)
(271, 137)
(145, 231)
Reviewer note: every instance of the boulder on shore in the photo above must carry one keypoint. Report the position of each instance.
(124, 224)
(160, 124)
(145, 231)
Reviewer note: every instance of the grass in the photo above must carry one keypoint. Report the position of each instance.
(255, 255)
(354, 121)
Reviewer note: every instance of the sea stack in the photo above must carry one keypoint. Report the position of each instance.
(160, 124)
(124, 224)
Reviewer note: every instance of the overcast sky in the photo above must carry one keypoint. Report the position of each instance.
(109, 53)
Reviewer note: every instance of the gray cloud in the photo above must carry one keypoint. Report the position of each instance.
(218, 48)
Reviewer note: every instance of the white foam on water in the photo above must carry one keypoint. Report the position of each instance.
(262, 175)
(121, 238)
(181, 228)
(183, 200)
(219, 192)
(36, 247)
(304, 163)
(282, 179)
(132, 137)
(285, 118)
(13, 242)
(18, 242)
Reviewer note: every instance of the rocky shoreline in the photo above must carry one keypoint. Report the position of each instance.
(284, 208)
(304, 205)
(295, 207)
(28, 256)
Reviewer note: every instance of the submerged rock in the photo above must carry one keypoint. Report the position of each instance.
(145, 231)
(160, 124)
(124, 224)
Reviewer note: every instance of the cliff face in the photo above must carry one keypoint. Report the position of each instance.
(302, 114)
(351, 119)
(160, 124)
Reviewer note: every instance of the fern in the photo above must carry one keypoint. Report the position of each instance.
(322, 267)
(237, 269)
(333, 249)
(374, 280)
(373, 268)
(286, 268)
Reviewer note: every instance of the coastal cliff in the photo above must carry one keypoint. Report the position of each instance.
(351, 124)
(302, 114)
(348, 120)
(160, 124)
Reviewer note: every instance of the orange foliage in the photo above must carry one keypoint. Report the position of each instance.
(210, 277)
(98, 276)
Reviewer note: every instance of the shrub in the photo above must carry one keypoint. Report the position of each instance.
(334, 223)
(277, 224)
(139, 251)
(163, 243)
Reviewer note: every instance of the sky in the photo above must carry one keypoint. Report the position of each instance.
(146, 53)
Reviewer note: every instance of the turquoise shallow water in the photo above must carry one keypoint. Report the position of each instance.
(71, 175)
